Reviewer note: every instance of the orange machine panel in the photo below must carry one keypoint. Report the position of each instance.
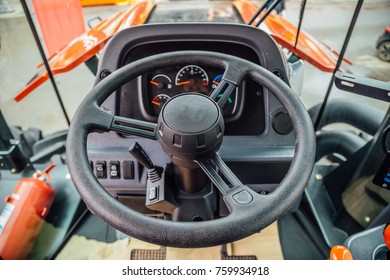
(89, 43)
(60, 22)
(284, 33)
(86, 3)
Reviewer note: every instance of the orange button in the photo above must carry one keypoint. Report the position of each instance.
(339, 252)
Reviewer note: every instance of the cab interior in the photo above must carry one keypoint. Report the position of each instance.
(193, 143)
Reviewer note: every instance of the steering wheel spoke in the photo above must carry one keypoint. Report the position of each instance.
(102, 120)
(234, 192)
(212, 167)
(134, 127)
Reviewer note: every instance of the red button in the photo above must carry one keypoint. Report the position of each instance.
(386, 235)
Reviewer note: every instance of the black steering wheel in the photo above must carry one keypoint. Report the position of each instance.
(249, 211)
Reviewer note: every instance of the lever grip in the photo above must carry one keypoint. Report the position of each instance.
(139, 153)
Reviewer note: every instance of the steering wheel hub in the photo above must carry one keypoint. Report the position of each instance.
(190, 127)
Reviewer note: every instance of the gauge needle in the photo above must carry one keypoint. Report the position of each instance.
(154, 83)
(156, 103)
(183, 83)
(215, 83)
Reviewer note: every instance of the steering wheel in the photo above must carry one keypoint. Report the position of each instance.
(249, 211)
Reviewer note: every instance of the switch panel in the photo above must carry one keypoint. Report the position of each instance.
(114, 169)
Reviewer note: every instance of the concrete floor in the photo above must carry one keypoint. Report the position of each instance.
(327, 21)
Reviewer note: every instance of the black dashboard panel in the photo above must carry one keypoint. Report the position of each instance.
(151, 98)
(243, 41)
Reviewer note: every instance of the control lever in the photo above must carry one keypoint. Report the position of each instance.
(154, 172)
(158, 197)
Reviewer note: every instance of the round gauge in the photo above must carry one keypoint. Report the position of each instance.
(216, 81)
(192, 78)
(159, 88)
(157, 102)
(161, 81)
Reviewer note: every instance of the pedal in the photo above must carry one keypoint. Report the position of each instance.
(226, 256)
(145, 254)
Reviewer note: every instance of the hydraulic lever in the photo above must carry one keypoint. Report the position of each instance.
(158, 197)
(154, 172)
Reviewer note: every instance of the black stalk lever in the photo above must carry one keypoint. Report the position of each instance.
(158, 197)
(154, 173)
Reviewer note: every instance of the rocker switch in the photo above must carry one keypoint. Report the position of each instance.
(101, 170)
(128, 169)
(114, 170)
(153, 193)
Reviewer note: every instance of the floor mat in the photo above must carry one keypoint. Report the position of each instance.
(362, 207)
(263, 245)
(141, 254)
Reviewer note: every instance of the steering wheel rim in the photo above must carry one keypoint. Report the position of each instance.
(243, 220)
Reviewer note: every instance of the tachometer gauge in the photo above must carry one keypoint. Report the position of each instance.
(192, 78)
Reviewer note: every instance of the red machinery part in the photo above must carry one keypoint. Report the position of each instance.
(23, 216)
(386, 235)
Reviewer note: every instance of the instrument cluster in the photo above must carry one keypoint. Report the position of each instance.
(161, 85)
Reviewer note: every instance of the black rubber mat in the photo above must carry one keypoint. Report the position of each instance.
(143, 254)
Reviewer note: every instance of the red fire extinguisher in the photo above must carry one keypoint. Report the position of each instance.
(23, 215)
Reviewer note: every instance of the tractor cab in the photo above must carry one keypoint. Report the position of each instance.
(199, 137)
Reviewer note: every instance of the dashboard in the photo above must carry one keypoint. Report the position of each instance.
(258, 141)
(244, 112)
